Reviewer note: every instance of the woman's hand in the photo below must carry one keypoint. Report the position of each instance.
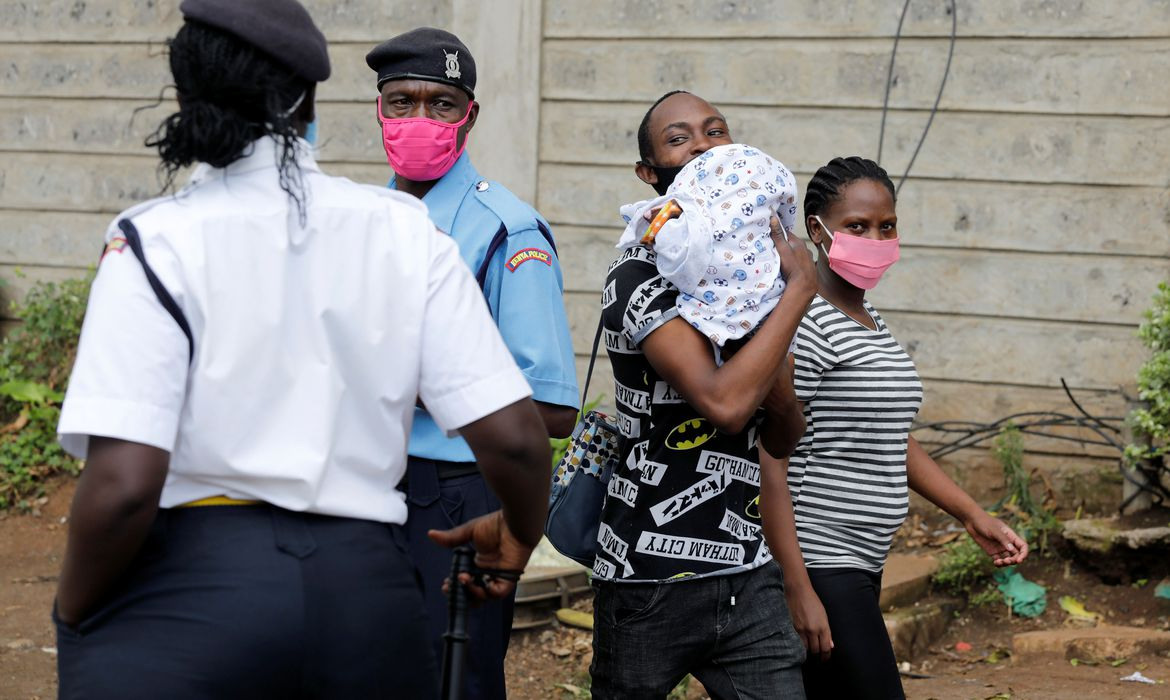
(115, 504)
(1000, 542)
(1003, 545)
(810, 621)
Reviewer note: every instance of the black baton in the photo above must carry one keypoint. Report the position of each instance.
(455, 638)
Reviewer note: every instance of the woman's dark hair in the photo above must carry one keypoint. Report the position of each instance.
(230, 94)
(826, 185)
(645, 148)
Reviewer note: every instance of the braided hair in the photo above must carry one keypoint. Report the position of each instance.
(230, 94)
(645, 148)
(830, 181)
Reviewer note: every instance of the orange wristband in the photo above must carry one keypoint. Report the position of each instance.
(666, 213)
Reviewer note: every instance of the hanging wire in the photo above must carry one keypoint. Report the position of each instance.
(1105, 429)
(970, 434)
(890, 81)
(937, 99)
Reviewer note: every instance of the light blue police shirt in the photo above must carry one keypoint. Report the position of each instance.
(523, 289)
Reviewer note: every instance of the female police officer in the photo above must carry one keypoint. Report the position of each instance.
(250, 360)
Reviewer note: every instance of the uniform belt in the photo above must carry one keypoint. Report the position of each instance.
(451, 470)
(426, 474)
(440, 469)
(220, 501)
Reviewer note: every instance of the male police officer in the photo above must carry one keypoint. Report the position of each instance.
(426, 81)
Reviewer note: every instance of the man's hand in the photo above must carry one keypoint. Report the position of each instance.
(796, 263)
(495, 548)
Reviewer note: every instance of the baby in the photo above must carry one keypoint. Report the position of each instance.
(718, 251)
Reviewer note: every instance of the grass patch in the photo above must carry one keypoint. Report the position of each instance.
(35, 360)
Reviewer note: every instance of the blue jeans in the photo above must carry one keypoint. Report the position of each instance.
(732, 633)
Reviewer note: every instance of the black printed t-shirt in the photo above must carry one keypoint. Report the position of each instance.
(684, 501)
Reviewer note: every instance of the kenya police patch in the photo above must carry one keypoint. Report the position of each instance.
(527, 254)
(116, 245)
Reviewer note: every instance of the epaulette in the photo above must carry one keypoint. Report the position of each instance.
(515, 216)
(514, 213)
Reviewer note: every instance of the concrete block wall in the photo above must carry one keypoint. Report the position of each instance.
(74, 74)
(1035, 222)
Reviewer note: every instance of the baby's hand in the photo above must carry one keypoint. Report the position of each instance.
(658, 218)
(675, 211)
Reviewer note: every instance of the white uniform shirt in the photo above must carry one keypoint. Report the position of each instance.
(718, 252)
(311, 343)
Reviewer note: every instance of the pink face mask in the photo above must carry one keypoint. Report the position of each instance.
(421, 149)
(860, 261)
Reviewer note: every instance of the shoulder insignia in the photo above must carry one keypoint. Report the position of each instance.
(116, 245)
(523, 256)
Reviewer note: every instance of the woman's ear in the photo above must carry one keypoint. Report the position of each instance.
(306, 112)
(815, 233)
(308, 108)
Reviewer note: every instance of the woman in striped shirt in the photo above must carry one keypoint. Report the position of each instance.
(848, 479)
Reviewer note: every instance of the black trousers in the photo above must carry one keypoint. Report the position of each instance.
(256, 602)
(440, 504)
(862, 665)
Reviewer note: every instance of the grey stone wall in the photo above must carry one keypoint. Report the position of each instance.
(1035, 223)
(75, 72)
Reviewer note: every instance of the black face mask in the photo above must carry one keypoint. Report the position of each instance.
(666, 176)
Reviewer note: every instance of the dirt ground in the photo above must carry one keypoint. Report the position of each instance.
(551, 662)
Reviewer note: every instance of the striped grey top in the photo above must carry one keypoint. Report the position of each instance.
(848, 474)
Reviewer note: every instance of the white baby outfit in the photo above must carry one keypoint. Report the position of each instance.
(718, 251)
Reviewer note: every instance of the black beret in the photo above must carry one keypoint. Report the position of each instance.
(282, 29)
(425, 54)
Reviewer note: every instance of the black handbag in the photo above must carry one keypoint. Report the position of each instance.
(580, 480)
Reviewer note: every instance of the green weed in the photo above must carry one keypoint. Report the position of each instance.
(1151, 423)
(35, 360)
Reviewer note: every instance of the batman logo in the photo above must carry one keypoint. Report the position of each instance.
(685, 574)
(690, 434)
(753, 509)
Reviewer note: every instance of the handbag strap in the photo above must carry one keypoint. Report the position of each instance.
(592, 360)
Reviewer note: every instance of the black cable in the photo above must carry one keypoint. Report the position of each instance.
(976, 433)
(938, 98)
(890, 81)
(973, 434)
(1079, 407)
